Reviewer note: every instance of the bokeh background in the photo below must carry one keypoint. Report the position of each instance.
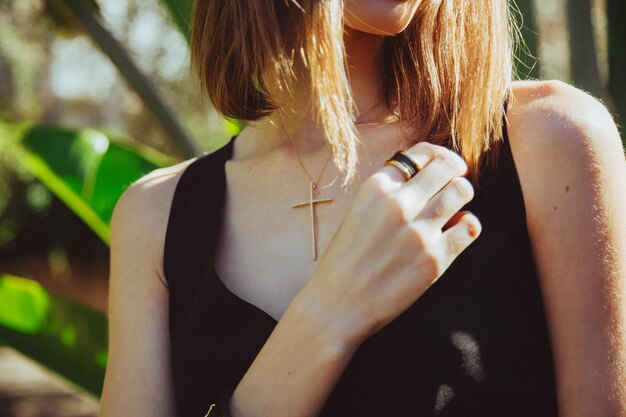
(95, 94)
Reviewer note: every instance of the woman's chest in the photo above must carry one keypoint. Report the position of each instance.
(276, 224)
(270, 235)
(475, 341)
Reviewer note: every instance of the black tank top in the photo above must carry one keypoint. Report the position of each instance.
(475, 344)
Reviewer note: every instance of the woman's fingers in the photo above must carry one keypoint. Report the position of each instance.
(454, 220)
(461, 234)
(447, 202)
(422, 152)
(405, 218)
(438, 165)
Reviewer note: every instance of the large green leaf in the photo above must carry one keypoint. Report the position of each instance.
(65, 336)
(86, 169)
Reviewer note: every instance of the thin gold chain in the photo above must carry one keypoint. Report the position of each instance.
(330, 153)
(356, 122)
(300, 160)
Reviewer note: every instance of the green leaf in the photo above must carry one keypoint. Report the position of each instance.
(85, 169)
(233, 127)
(181, 12)
(65, 336)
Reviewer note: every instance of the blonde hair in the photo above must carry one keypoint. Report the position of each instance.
(448, 76)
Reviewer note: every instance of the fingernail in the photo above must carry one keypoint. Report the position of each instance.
(474, 230)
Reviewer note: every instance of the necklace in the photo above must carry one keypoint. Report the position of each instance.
(313, 184)
(311, 201)
(357, 123)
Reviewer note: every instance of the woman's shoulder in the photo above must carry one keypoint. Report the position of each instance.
(551, 123)
(561, 137)
(549, 114)
(150, 196)
(140, 218)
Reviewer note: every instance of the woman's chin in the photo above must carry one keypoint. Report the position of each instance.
(381, 31)
(380, 17)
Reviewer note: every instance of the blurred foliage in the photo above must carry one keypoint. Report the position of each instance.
(62, 335)
(181, 11)
(64, 19)
(86, 17)
(40, 81)
(527, 52)
(585, 72)
(616, 12)
(233, 126)
(85, 169)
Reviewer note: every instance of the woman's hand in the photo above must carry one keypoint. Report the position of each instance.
(387, 251)
(396, 240)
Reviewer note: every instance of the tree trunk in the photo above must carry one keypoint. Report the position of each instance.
(526, 64)
(616, 13)
(583, 57)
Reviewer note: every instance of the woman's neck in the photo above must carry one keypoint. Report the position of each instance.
(364, 53)
(365, 70)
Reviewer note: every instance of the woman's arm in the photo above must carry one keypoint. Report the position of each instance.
(138, 379)
(572, 171)
(299, 364)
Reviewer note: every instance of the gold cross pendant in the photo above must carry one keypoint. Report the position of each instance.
(311, 203)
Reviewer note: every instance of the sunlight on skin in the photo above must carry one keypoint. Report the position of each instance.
(377, 17)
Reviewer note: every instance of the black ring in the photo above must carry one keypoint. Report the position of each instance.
(398, 156)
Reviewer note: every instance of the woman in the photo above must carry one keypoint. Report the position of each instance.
(406, 289)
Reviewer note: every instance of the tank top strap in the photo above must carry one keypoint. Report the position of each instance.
(192, 226)
(499, 181)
